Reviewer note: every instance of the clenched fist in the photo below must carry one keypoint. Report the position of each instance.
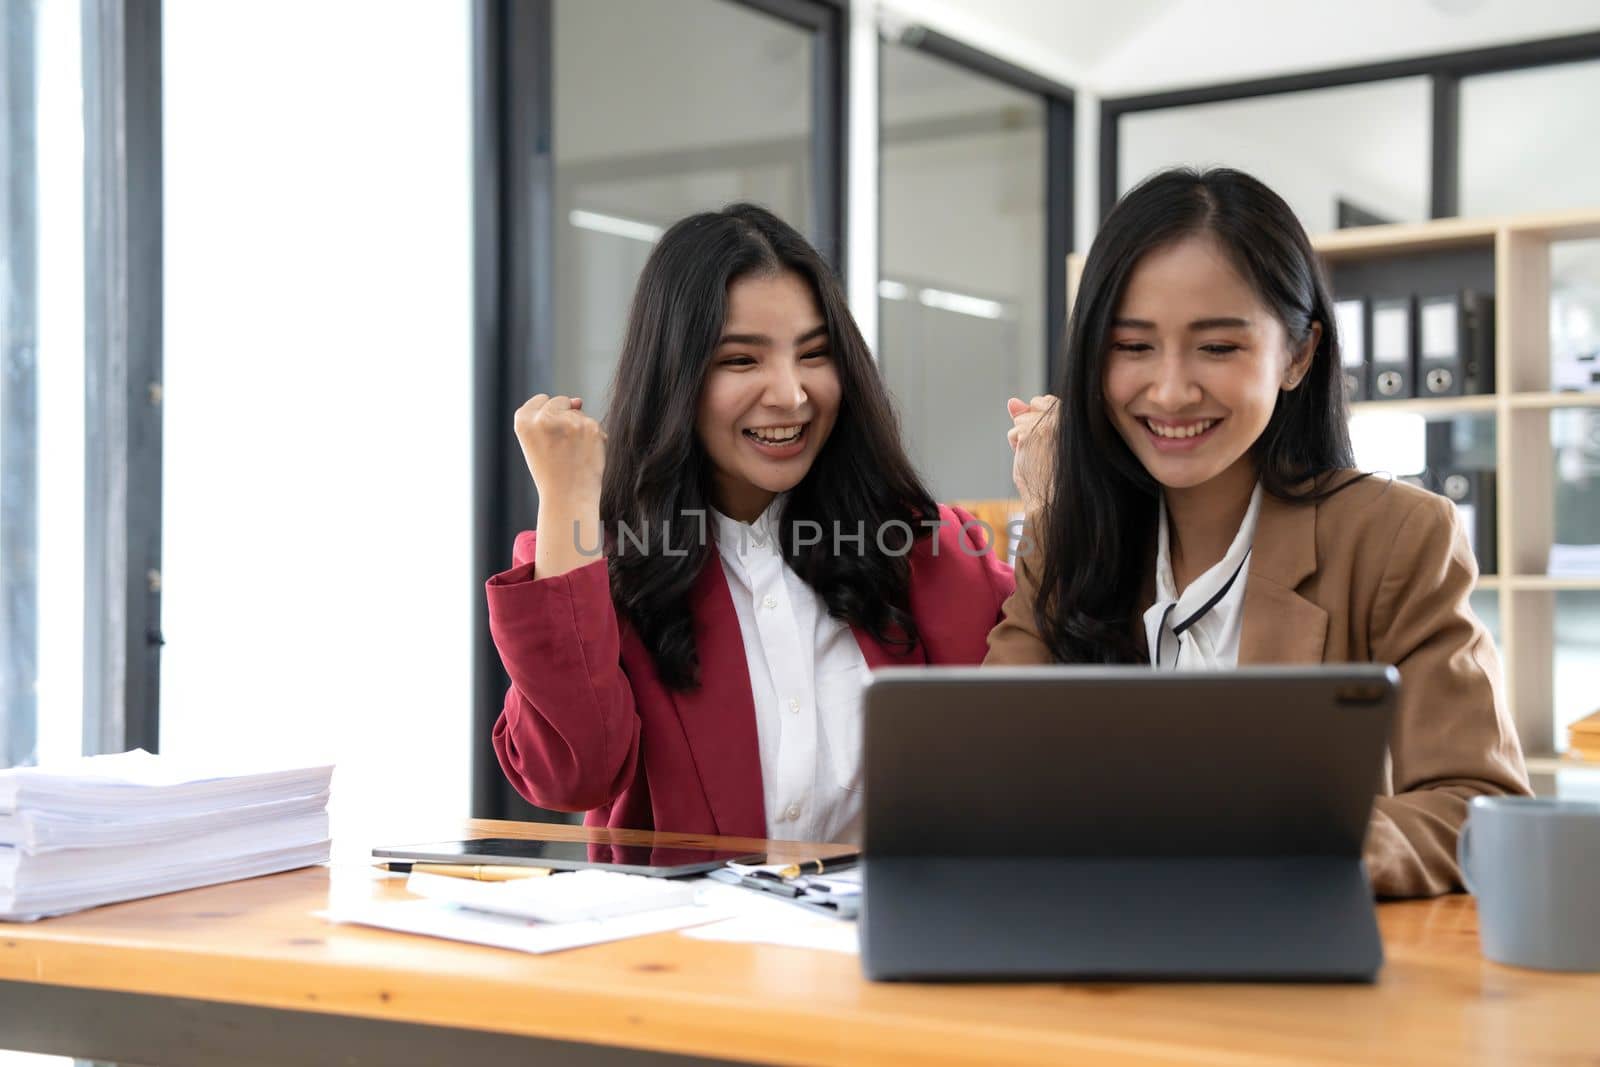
(565, 448)
(566, 454)
(1033, 440)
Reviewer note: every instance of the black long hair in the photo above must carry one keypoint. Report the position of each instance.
(658, 476)
(1098, 523)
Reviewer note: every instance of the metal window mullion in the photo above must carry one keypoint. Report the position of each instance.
(828, 140)
(1060, 156)
(1445, 146)
(123, 338)
(514, 300)
(19, 390)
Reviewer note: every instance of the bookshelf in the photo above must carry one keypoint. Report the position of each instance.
(1547, 401)
(1521, 410)
(1439, 407)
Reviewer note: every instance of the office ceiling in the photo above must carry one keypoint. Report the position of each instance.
(1125, 47)
(1201, 41)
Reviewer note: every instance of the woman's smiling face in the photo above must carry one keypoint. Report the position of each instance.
(1196, 363)
(771, 394)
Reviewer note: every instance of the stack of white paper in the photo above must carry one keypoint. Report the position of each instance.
(109, 828)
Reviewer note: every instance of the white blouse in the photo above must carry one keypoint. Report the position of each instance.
(1200, 629)
(806, 678)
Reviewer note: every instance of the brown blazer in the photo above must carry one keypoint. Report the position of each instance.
(1379, 572)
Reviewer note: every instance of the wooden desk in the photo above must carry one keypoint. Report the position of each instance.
(243, 974)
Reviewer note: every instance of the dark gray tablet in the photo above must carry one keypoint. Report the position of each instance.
(1122, 822)
(656, 860)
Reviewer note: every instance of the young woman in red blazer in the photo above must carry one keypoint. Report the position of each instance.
(719, 566)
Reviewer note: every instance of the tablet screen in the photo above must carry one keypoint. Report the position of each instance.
(662, 861)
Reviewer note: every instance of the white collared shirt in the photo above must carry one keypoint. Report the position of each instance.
(1200, 629)
(806, 678)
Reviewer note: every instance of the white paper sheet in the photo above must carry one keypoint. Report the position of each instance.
(761, 919)
(37, 831)
(136, 782)
(207, 871)
(433, 918)
(45, 875)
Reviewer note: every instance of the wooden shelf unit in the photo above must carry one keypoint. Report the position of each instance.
(1521, 408)
(1561, 765)
(1536, 583)
(1432, 407)
(1550, 401)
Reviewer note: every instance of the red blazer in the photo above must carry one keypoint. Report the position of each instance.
(589, 726)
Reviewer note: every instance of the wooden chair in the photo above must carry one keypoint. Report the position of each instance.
(998, 515)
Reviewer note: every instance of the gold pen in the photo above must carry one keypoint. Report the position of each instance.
(478, 872)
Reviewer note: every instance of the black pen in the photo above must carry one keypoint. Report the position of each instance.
(821, 866)
(770, 882)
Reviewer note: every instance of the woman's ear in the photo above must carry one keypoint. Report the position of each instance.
(1300, 362)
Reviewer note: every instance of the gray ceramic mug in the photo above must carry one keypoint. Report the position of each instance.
(1534, 865)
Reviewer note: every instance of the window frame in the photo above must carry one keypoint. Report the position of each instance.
(514, 287)
(19, 400)
(123, 324)
(1060, 158)
(1445, 72)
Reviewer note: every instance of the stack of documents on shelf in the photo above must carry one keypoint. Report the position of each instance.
(109, 828)
(1574, 561)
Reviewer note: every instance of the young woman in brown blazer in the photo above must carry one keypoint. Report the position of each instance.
(1199, 507)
